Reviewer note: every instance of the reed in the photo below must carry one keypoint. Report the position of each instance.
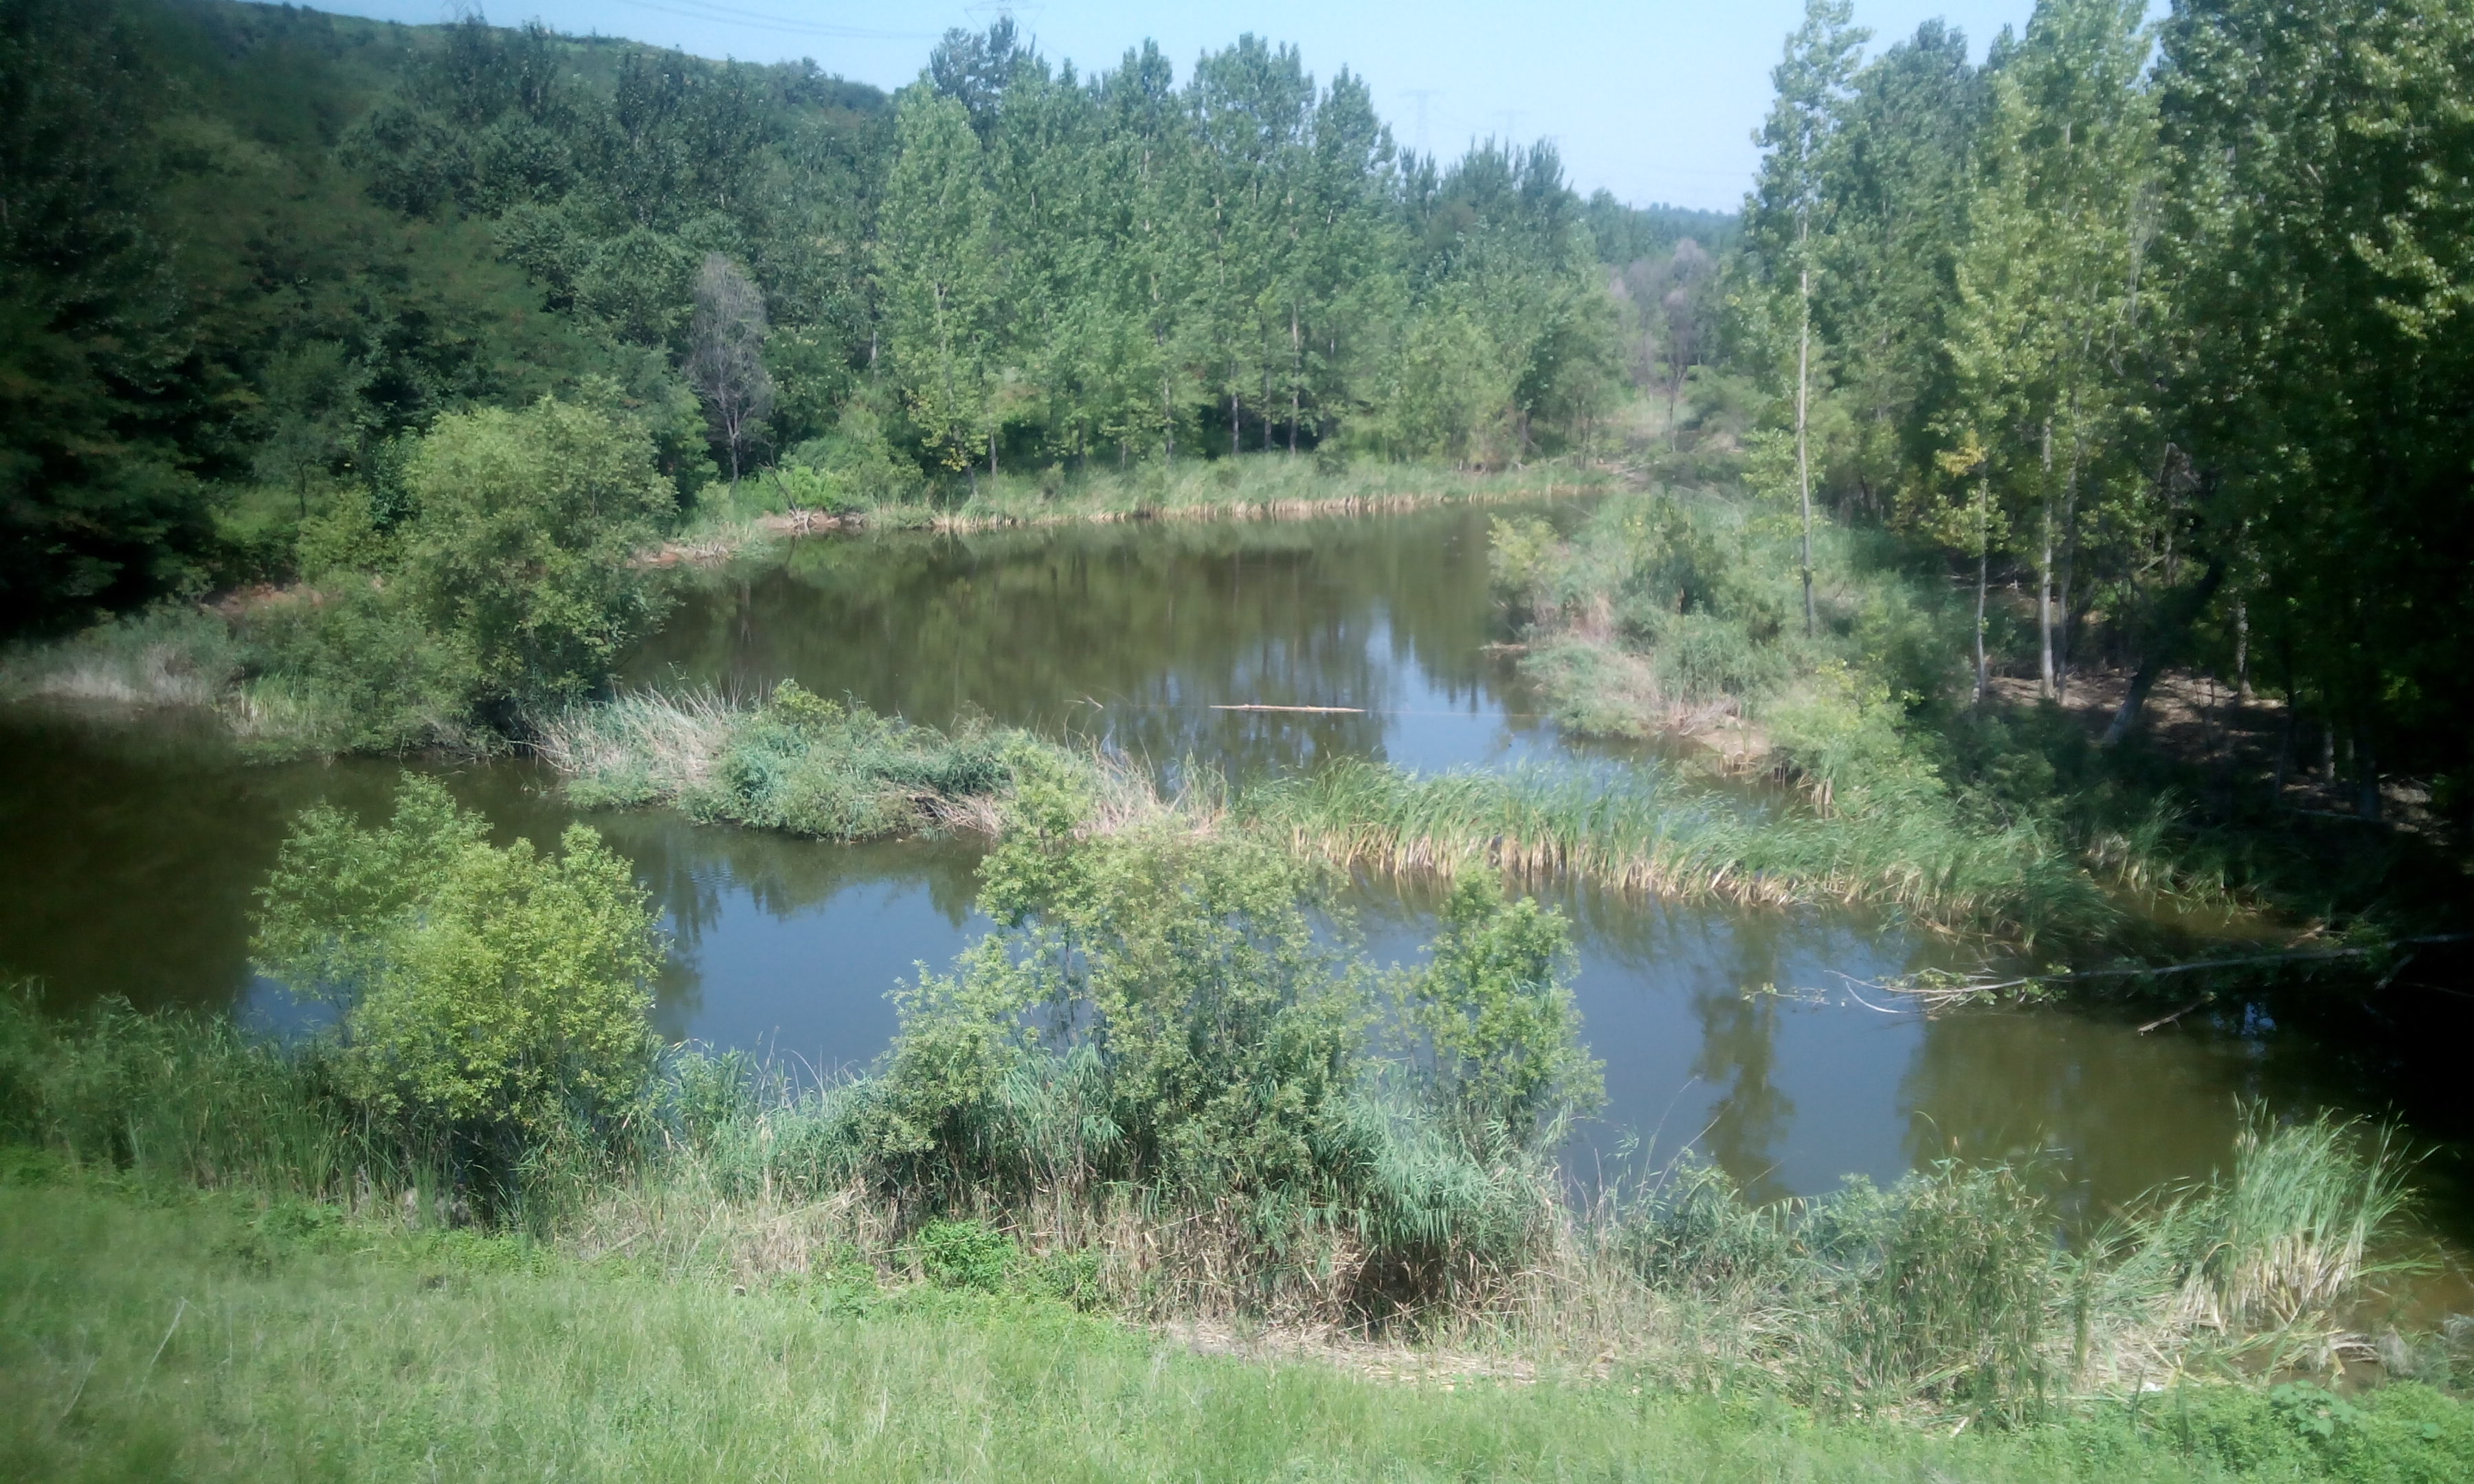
(1256, 487)
(1637, 829)
(168, 656)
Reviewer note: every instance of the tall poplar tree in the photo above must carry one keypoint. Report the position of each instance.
(1787, 209)
(937, 275)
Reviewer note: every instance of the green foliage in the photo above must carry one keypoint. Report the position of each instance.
(817, 767)
(1173, 988)
(519, 553)
(355, 669)
(1501, 1026)
(964, 1255)
(500, 990)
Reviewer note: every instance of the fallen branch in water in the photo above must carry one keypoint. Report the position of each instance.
(1939, 989)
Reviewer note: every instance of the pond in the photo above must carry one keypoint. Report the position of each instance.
(129, 847)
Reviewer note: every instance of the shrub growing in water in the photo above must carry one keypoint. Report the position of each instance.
(1501, 1028)
(498, 996)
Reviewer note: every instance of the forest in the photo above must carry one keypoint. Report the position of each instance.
(2030, 535)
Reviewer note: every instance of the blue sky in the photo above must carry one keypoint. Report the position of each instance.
(1654, 100)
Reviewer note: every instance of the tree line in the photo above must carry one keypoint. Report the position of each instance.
(2162, 322)
(252, 254)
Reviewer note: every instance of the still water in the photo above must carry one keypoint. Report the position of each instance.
(130, 849)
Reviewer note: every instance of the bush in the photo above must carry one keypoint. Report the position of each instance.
(519, 553)
(499, 995)
(1501, 1030)
(355, 670)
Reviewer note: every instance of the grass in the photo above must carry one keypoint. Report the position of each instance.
(151, 1334)
(1260, 486)
(168, 655)
(1946, 1296)
(795, 762)
(836, 772)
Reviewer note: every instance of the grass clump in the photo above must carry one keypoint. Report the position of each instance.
(797, 763)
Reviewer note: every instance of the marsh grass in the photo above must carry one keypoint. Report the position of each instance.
(1639, 830)
(842, 773)
(794, 762)
(168, 655)
(1257, 486)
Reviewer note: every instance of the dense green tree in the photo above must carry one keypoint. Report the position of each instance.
(2322, 251)
(519, 550)
(939, 273)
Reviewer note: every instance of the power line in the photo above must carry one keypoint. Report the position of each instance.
(732, 15)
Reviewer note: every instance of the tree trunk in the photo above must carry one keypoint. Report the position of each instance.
(2070, 564)
(2242, 653)
(1803, 459)
(2045, 686)
(1983, 564)
(2366, 776)
(2180, 610)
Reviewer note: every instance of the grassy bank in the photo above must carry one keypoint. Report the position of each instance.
(1677, 614)
(156, 1336)
(1944, 1297)
(1254, 487)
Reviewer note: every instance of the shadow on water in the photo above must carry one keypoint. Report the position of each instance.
(129, 850)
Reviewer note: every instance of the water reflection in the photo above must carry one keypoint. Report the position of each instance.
(128, 852)
(1132, 634)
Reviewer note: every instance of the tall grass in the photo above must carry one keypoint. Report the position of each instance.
(1251, 486)
(796, 762)
(846, 774)
(190, 1340)
(168, 655)
(1949, 1293)
(1640, 830)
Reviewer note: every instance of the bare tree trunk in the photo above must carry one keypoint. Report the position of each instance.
(2284, 754)
(2070, 563)
(1297, 376)
(2242, 653)
(2045, 686)
(1983, 565)
(1803, 459)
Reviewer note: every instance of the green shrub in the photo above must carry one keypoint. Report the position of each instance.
(518, 554)
(964, 1255)
(815, 767)
(1501, 1030)
(353, 669)
(499, 993)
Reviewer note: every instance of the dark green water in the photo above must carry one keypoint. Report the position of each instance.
(129, 849)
